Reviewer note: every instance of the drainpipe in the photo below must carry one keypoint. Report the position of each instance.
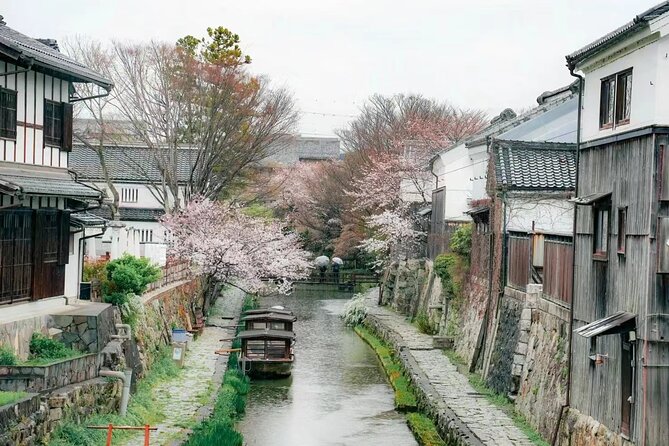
(573, 255)
(80, 259)
(127, 332)
(126, 377)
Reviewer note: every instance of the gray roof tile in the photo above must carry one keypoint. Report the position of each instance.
(521, 165)
(126, 163)
(130, 214)
(20, 47)
(26, 179)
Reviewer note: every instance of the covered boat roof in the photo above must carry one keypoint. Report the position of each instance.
(270, 317)
(265, 334)
(268, 310)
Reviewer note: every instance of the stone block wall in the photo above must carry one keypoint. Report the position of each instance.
(16, 334)
(577, 429)
(30, 421)
(42, 378)
(543, 380)
(471, 312)
(86, 332)
(504, 357)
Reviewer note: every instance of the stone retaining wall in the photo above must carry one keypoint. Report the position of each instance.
(577, 429)
(30, 421)
(23, 378)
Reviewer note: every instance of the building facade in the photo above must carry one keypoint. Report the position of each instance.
(41, 220)
(620, 353)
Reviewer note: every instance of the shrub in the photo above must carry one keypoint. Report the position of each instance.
(424, 325)
(461, 241)
(355, 310)
(129, 274)
(42, 347)
(7, 356)
(96, 269)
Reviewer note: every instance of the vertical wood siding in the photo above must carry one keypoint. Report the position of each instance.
(518, 269)
(621, 282)
(558, 268)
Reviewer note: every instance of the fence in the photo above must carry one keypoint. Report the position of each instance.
(541, 258)
(519, 253)
(439, 238)
(170, 273)
(558, 267)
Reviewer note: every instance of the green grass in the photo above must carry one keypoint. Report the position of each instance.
(142, 409)
(37, 362)
(219, 429)
(11, 397)
(499, 400)
(424, 430)
(405, 398)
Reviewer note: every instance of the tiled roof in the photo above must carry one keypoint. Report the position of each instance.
(636, 24)
(521, 165)
(22, 49)
(25, 179)
(131, 214)
(126, 163)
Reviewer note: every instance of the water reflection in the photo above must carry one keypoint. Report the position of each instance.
(337, 394)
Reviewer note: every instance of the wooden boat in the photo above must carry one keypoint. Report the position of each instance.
(267, 342)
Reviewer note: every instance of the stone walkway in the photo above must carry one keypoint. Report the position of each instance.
(188, 398)
(448, 390)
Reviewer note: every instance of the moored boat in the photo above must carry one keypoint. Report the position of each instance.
(267, 342)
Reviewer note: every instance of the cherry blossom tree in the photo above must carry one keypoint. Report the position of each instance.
(223, 243)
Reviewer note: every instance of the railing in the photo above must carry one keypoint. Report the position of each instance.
(173, 272)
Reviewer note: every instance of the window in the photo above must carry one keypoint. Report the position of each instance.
(58, 124)
(602, 210)
(615, 100)
(277, 326)
(129, 195)
(53, 123)
(7, 113)
(622, 229)
(146, 236)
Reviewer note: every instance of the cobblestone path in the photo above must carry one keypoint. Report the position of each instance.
(184, 398)
(485, 421)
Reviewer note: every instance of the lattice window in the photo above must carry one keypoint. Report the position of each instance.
(7, 113)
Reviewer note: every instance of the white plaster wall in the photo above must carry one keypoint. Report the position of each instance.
(32, 88)
(479, 160)
(455, 174)
(72, 269)
(650, 81)
(550, 215)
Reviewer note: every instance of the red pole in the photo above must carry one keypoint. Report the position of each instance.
(146, 435)
(110, 429)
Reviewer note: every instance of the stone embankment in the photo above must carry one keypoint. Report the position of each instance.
(463, 416)
(190, 397)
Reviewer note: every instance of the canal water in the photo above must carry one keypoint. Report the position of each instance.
(337, 395)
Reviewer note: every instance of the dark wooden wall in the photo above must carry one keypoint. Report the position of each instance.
(628, 171)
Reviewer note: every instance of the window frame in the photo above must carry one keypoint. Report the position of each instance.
(621, 236)
(6, 133)
(600, 207)
(614, 101)
(53, 122)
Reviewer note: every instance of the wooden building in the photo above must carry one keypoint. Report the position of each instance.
(40, 198)
(620, 345)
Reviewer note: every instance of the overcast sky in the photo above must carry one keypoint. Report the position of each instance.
(487, 54)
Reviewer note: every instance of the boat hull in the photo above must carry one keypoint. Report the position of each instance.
(268, 369)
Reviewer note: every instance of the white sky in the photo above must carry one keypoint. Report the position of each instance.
(487, 54)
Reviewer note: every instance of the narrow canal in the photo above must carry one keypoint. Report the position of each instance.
(337, 394)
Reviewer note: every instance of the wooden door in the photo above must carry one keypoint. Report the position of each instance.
(16, 255)
(49, 272)
(627, 379)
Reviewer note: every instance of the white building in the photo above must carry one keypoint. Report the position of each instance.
(461, 172)
(43, 218)
(134, 172)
